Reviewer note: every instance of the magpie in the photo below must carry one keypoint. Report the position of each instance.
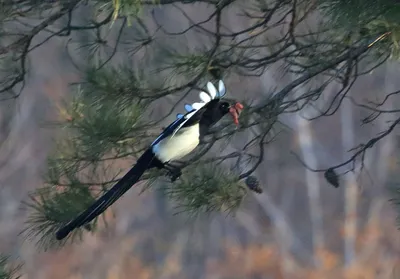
(176, 141)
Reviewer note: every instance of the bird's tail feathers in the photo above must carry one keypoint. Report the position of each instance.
(98, 207)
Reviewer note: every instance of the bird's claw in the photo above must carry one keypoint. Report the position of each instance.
(174, 174)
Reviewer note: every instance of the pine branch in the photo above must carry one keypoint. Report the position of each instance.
(205, 189)
(7, 270)
(367, 19)
(52, 207)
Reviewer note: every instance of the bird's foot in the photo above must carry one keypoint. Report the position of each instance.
(173, 172)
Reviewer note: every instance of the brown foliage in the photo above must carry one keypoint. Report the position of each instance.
(261, 261)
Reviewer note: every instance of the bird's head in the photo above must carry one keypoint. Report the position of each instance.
(216, 109)
(213, 107)
(234, 109)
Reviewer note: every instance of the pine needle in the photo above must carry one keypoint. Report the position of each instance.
(49, 209)
(7, 270)
(205, 189)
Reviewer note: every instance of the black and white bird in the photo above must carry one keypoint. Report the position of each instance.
(176, 141)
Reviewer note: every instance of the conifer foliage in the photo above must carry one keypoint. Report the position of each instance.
(8, 270)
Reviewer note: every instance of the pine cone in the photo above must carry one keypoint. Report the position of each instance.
(332, 177)
(253, 184)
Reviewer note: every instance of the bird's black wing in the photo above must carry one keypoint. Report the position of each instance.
(190, 118)
(169, 130)
(186, 120)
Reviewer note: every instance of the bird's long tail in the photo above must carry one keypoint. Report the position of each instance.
(123, 185)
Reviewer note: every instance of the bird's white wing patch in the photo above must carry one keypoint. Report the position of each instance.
(211, 90)
(221, 89)
(205, 97)
(198, 106)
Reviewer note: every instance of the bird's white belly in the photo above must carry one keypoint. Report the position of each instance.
(178, 146)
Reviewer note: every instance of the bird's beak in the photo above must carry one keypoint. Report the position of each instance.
(235, 111)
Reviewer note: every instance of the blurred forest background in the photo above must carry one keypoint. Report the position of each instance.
(299, 227)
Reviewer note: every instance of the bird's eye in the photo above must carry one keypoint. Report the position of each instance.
(224, 107)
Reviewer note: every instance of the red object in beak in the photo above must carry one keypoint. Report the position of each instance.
(235, 112)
